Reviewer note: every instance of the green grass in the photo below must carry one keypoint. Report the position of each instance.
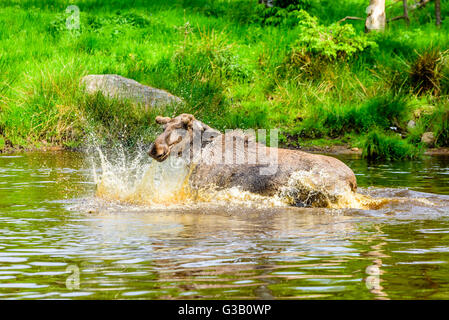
(381, 146)
(236, 64)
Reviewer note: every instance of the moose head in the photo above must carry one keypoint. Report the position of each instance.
(179, 134)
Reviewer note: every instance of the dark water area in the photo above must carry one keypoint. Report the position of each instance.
(58, 241)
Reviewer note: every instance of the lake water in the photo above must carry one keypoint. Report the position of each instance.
(58, 240)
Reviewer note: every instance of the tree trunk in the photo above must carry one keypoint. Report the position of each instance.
(406, 17)
(437, 12)
(376, 16)
(267, 3)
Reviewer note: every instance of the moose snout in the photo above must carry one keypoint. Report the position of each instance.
(159, 152)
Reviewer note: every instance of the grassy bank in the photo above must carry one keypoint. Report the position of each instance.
(235, 63)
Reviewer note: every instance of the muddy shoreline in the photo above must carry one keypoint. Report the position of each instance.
(345, 150)
(334, 150)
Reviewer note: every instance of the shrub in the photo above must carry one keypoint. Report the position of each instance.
(105, 119)
(335, 120)
(317, 46)
(426, 71)
(385, 111)
(444, 73)
(200, 71)
(302, 4)
(381, 146)
(329, 42)
(210, 53)
(284, 12)
(249, 115)
(300, 63)
(441, 129)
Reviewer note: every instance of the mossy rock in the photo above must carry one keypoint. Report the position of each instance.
(121, 88)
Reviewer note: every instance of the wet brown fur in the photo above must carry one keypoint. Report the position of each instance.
(330, 174)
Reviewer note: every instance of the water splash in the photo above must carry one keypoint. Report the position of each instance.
(316, 189)
(132, 177)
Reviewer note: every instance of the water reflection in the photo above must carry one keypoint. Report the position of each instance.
(58, 241)
(431, 174)
(374, 271)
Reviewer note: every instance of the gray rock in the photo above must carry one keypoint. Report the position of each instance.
(118, 87)
(411, 124)
(428, 138)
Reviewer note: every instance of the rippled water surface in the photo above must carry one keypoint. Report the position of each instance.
(58, 241)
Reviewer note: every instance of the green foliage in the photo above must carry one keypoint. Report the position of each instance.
(249, 115)
(441, 129)
(285, 12)
(434, 119)
(105, 119)
(426, 71)
(209, 53)
(46, 113)
(199, 70)
(301, 4)
(380, 146)
(334, 120)
(236, 64)
(318, 46)
(329, 42)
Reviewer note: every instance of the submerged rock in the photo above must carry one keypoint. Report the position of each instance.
(118, 87)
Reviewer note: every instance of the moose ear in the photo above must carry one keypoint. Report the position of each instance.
(162, 120)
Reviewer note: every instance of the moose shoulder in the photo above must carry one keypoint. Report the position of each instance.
(235, 159)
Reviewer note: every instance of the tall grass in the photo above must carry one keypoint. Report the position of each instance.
(334, 120)
(380, 146)
(235, 63)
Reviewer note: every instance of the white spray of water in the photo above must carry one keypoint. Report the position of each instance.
(132, 177)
